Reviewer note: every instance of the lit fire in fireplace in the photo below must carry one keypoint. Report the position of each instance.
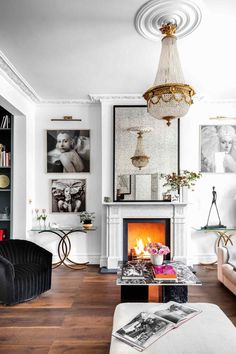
(140, 234)
(139, 248)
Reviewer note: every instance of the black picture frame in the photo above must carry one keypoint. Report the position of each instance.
(125, 116)
(68, 195)
(75, 158)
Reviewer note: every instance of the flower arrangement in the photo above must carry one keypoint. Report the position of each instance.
(185, 179)
(40, 217)
(156, 248)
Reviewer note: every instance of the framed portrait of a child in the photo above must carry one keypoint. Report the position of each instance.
(68, 151)
(68, 195)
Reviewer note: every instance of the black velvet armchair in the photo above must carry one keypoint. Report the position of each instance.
(25, 271)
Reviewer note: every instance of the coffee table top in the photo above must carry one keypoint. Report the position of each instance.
(184, 275)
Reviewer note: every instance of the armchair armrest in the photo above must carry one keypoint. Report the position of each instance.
(7, 275)
(222, 258)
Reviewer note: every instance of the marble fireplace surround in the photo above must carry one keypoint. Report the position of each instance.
(113, 235)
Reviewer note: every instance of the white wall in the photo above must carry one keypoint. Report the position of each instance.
(202, 243)
(84, 247)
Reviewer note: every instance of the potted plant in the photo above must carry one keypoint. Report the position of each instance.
(185, 180)
(86, 218)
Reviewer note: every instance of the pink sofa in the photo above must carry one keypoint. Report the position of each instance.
(226, 272)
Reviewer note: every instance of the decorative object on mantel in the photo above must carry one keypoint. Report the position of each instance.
(157, 252)
(169, 97)
(107, 199)
(86, 218)
(66, 119)
(219, 226)
(140, 159)
(186, 180)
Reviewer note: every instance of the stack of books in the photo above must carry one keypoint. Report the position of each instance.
(164, 272)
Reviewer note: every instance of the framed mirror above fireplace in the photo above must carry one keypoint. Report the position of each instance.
(143, 148)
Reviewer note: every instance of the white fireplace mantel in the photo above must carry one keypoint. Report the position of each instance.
(113, 235)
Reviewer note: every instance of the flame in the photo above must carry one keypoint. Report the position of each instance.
(140, 234)
(139, 247)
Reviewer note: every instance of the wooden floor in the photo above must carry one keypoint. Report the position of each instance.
(75, 317)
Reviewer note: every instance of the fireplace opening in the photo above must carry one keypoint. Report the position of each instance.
(137, 233)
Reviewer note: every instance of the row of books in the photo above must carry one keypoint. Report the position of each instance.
(6, 122)
(146, 327)
(5, 158)
(134, 270)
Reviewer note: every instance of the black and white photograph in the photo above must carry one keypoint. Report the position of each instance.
(143, 330)
(218, 148)
(68, 151)
(177, 313)
(68, 195)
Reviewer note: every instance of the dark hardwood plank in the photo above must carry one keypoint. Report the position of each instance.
(75, 317)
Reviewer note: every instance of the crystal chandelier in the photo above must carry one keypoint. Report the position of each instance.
(169, 97)
(140, 159)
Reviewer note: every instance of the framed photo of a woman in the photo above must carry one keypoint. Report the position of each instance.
(218, 148)
(68, 151)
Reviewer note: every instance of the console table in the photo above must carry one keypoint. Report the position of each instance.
(136, 290)
(64, 245)
(224, 236)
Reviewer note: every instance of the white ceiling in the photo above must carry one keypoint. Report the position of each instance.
(67, 49)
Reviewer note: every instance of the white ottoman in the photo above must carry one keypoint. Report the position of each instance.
(210, 332)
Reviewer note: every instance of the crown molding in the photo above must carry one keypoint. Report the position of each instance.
(97, 98)
(11, 72)
(65, 101)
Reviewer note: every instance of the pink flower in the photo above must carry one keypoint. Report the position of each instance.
(157, 248)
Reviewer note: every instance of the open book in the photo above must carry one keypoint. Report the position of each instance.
(145, 328)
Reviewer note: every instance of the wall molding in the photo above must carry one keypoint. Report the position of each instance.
(97, 98)
(12, 73)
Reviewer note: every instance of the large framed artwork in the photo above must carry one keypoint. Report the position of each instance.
(218, 148)
(144, 148)
(68, 195)
(68, 151)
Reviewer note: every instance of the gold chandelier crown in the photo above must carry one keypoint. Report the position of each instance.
(168, 29)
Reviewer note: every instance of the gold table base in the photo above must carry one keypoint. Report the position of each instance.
(64, 248)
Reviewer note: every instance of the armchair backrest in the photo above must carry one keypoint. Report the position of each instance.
(21, 251)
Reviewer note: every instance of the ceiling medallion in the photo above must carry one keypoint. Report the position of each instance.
(185, 14)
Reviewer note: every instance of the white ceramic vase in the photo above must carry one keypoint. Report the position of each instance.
(157, 259)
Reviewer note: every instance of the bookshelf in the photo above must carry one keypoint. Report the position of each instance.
(6, 149)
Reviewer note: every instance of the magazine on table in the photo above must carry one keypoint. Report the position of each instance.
(145, 328)
(132, 271)
(164, 272)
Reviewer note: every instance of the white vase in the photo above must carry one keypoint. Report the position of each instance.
(174, 195)
(157, 259)
(184, 194)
